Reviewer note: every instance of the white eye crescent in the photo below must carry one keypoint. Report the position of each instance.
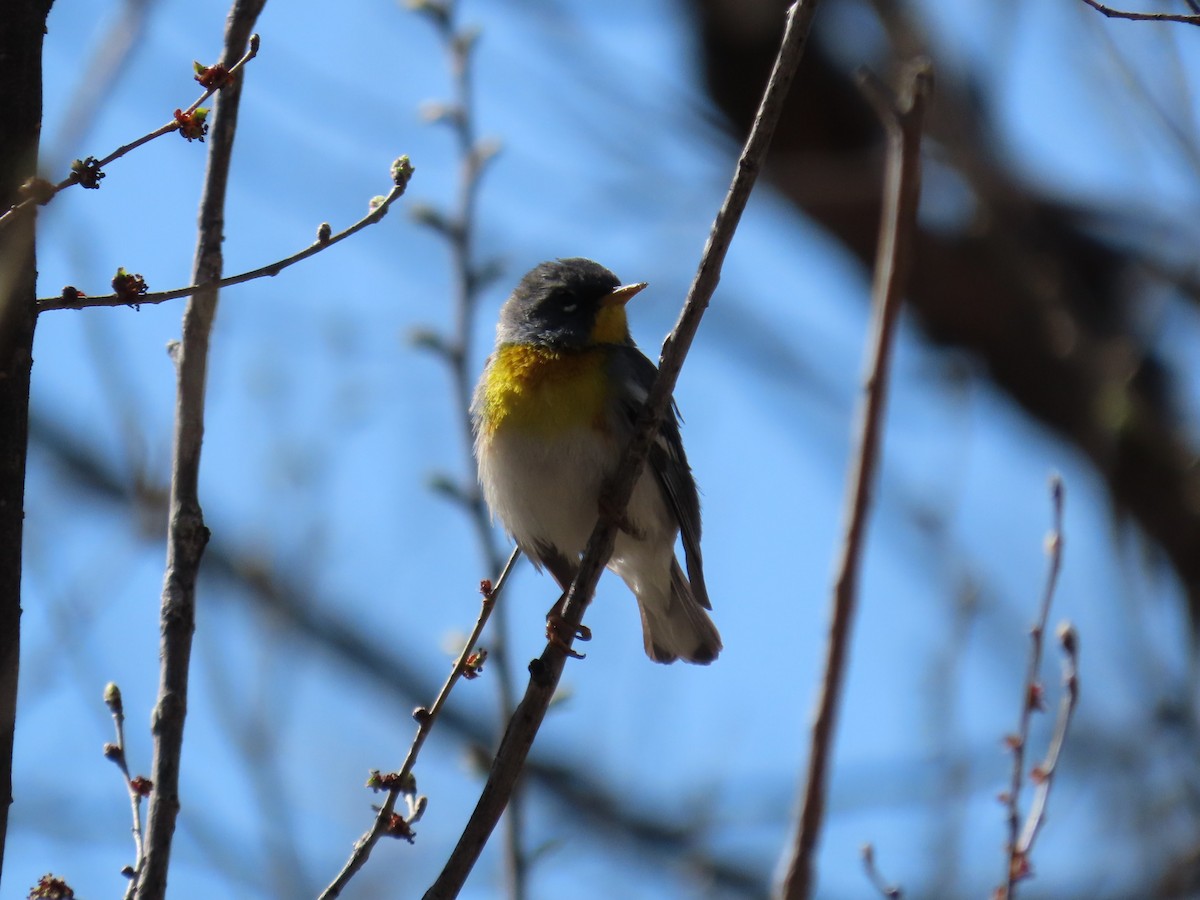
(570, 307)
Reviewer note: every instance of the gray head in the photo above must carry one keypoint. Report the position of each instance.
(568, 304)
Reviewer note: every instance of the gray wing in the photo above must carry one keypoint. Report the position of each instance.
(667, 459)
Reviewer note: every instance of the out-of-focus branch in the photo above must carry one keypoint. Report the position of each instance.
(71, 298)
(187, 533)
(1026, 283)
(881, 884)
(1020, 843)
(21, 37)
(89, 172)
(1141, 16)
(1043, 774)
(471, 276)
(546, 671)
(902, 120)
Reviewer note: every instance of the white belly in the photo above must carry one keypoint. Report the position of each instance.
(547, 492)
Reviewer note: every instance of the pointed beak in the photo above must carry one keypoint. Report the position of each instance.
(623, 294)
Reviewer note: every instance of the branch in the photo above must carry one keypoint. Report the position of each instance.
(470, 278)
(403, 782)
(886, 890)
(137, 787)
(546, 670)
(1143, 17)
(89, 172)
(1043, 774)
(71, 298)
(902, 118)
(1032, 700)
(187, 533)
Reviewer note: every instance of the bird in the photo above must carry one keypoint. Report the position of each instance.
(552, 412)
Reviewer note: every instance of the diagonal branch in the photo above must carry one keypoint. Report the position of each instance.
(546, 670)
(902, 121)
(1141, 16)
(73, 299)
(89, 172)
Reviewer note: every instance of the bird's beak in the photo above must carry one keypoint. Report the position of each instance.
(623, 294)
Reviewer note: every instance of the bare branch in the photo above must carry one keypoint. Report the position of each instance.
(470, 279)
(1143, 17)
(187, 533)
(902, 120)
(72, 299)
(402, 781)
(137, 787)
(890, 891)
(1068, 640)
(89, 172)
(1032, 700)
(546, 670)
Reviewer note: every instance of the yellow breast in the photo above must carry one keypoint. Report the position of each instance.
(543, 391)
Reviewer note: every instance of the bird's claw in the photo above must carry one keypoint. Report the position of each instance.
(556, 629)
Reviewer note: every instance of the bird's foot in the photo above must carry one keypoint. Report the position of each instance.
(560, 633)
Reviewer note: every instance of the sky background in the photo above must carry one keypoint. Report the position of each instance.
(326, 424)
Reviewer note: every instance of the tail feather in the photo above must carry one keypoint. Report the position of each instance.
(675, 625)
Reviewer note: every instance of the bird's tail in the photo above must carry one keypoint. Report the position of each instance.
(675, 625)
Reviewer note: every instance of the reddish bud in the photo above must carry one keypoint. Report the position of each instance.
(51, 888)
(1036, 698)
(211, 77)
(192, 125)
(128, 287)
(141, 785)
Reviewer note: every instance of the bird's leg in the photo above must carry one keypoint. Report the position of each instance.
(557, 627)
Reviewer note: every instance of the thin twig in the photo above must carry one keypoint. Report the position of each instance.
(902, 119)
(546, 671)
(70, 299)
(137, 788)
(187, 533)
(890, 891)
(402, 781)
(1044, 773)
(96, 166)
(1143, 17)
(1032, 700)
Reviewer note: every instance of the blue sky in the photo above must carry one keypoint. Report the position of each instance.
(326, 423)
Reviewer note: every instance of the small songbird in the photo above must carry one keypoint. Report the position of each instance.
(555, 407)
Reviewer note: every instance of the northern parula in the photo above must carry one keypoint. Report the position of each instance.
(552, 412)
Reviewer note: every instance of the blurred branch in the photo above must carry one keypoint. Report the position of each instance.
(470, 278)
(546, 671)
(110, 59)
(1143, 17)
(386, 822)
(187, 533)
(89, 172)
(1024, 282)
(1043, 774)
(71, 298)
(1033, 700)
(889, 891)
(902, 120)
(21, 33)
